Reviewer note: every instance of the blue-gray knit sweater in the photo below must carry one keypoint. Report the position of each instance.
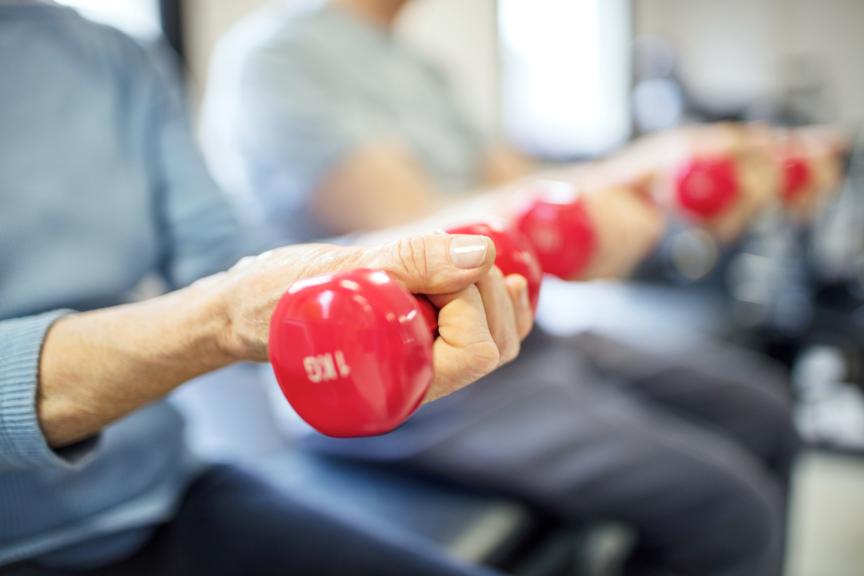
(101, 186)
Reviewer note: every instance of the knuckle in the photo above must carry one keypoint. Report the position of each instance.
(243, 263)
(412, 257)
(486, 356)
(510, 350)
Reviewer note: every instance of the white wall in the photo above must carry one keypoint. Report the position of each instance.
(206, 21)
(729, 49)
(742, 48)
(834, 29)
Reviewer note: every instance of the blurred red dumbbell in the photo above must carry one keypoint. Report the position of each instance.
(796, 177)
(706, 187)
(560, 230)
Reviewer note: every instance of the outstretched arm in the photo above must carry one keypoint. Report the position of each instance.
(98, 366)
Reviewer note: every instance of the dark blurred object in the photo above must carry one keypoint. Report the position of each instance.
(478, 528)
(795, 292)
(798, 294)
(795, 282)
(171, 19)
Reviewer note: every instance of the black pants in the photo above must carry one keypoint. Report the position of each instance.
(693, 451)
(231, 523)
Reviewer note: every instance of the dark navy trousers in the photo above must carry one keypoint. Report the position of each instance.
(233, 523)
(693, 451)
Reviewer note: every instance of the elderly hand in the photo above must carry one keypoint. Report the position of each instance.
(628, 226)
(482, 316)
(751, 149)
(821, 149)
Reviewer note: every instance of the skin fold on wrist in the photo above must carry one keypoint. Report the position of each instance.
(99, 366)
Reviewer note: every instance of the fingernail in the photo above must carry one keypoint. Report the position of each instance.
(468, 251)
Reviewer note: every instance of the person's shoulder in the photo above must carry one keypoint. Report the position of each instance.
(101, 44)
(278, 26)
(90, 34)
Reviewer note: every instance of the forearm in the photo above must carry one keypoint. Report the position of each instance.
(99, 366)
(377, 187)
(503, 164)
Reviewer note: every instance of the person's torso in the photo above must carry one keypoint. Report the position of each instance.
(77, 224)
(329, 63)
(78, 229)
(402, 90)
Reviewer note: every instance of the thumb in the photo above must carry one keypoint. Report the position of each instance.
(435, 263)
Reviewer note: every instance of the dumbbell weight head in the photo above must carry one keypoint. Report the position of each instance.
(706, 187)
(514, 254)
(560, 230)
(352, 352)
(796, 176)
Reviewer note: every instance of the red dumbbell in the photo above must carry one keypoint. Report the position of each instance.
(796, 176)
(560, 230)
(352, 352)
(514, 253)
(706, 187)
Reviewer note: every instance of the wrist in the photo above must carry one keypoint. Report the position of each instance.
(98, 366)
(206, 319)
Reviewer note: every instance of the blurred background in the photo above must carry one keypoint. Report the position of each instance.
(574, 79)
(520, 69)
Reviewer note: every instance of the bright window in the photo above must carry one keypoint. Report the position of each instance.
(565, 74)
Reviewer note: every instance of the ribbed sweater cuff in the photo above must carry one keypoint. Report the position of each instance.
(22, 443)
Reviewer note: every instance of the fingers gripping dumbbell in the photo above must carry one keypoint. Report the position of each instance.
(352, 352)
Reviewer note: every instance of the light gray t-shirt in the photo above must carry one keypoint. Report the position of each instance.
(293, 91)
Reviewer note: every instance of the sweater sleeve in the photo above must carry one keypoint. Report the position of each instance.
(22, 443)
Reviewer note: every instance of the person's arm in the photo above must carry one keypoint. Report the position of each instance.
(823, 149)
(301, 127)
(307, 142)
(750, 148)
(96, 367)
(377, 186)
(64, 376)
(381, 185)
(503, 164)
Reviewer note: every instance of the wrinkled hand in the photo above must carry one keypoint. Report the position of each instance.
(822, 148)
(483, 317)
(751, 149)
(627, 221)
(628, 226)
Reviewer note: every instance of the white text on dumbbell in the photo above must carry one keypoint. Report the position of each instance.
(326, 367)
